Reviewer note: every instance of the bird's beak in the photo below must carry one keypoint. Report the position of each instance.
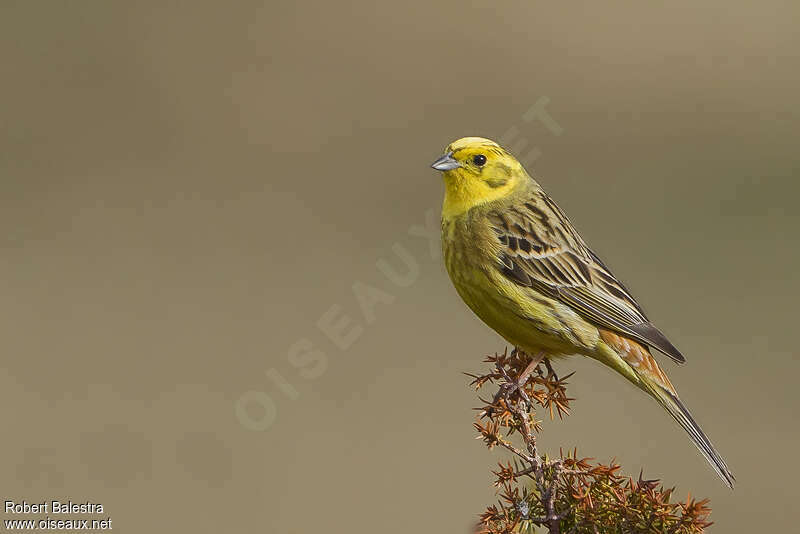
(446, 163)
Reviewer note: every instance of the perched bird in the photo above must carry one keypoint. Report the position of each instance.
(519, 264)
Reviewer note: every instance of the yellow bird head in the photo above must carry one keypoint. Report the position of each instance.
(475, 171)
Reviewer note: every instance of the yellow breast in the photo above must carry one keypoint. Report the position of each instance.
(523, 317)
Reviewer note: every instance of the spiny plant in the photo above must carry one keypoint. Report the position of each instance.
(568, 494)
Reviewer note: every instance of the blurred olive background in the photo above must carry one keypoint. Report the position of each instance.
(189, 188)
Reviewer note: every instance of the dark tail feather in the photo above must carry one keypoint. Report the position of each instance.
(681, 414)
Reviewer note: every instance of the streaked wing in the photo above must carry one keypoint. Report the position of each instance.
(539, 248)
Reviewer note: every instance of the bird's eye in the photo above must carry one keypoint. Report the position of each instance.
(479, 160)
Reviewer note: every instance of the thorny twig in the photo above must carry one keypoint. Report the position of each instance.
(568, 494)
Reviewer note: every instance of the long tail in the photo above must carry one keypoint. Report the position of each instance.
(635, 362)
(670, 401)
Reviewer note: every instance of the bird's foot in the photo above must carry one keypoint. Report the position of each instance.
(512, 385)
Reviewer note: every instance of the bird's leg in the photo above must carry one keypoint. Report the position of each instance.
(525, 374)
(550, 369)
(536, 360)
(517, 384)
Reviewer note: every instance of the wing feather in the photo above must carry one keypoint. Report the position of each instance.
(540, 249)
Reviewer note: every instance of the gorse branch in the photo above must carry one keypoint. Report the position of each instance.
(568, 494)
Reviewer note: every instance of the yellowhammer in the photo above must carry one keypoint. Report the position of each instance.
(521, 266)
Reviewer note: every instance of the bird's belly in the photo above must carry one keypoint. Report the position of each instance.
(531, 322)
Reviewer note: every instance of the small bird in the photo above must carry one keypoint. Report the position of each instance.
(519, 264)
